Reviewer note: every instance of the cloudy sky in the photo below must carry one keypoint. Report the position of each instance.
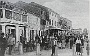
(75, 10)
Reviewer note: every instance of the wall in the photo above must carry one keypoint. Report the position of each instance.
(33, 24)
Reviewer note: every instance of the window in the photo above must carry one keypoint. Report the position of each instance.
(47, 22)
(52, 22)
(1, 13)
(43, 22)
(24, 18)
(52, 14)
(55, 23)
(55, 15)
(49, 12)
(0, 28)
(16, 16)
(8, 14)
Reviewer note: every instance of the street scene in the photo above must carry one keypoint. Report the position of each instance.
(44, 28)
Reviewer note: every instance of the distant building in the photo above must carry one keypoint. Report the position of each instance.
(53, 17)
(68, 23)
(77, 31)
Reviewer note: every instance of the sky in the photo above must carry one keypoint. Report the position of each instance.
(75, 10)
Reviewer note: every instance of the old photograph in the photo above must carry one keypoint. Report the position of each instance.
(44, 28)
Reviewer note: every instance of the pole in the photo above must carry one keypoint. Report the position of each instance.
(20, 48)
(56, 54)
(73, 50)
(81, 50)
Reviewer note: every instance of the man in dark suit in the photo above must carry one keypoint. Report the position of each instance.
(3, 44)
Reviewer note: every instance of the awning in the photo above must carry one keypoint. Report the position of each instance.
(53, 28)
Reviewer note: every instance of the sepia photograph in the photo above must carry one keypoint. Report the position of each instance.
(44, 28)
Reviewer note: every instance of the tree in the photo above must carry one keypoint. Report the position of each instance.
(85, 31)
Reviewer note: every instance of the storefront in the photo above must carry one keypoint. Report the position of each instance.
(14, 29)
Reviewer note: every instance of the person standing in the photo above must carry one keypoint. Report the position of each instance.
(82, 41)
(71, 42)
(63, 43)
(53, 46)
(11, 43)
(67, 41)
(78, 43)
(3, 44)
(87, 48)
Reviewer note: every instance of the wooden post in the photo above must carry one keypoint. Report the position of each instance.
(56, 53)
(73, 50)
(20, 48)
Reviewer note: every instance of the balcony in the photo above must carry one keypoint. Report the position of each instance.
(10, 16)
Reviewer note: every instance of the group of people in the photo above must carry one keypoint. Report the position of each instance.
(6, 42)
(80, 44)
(66, 42)
(71, 41)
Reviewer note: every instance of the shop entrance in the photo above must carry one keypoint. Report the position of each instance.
(11, 30)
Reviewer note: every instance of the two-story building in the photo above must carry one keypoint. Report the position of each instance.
(13, 22)
(53, 22)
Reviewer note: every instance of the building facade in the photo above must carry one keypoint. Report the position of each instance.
(33, 26)
(13, 22)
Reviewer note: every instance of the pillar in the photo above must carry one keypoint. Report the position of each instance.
(3, 13)
(56, 52)
(18, 39)
(38, 50)
(17, 33)
(3, 28)
(27, 36)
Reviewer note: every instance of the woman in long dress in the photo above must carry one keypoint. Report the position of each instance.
(78, 43)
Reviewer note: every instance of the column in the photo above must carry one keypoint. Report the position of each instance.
(21, 17)
(17, 33)
(18, 39)
(3, 28)
(12, 15)
(27, 36)
(38, 50)
(3, 13)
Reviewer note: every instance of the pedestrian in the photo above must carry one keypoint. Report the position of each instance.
(67, 41)
(87, 47)
(11, 43)
(82, 42)
(63, 43)
(78, 43)
(3, 44)
(60, 44)
(71, 42)
(53, 46)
